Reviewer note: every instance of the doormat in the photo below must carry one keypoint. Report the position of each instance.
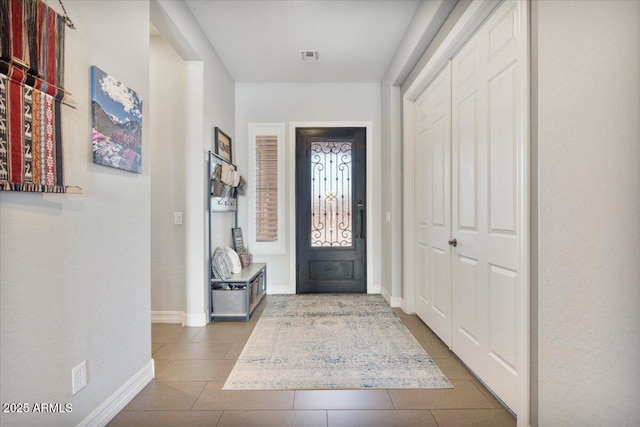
(345, 341)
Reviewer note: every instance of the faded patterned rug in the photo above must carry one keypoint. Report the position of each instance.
(341, 341)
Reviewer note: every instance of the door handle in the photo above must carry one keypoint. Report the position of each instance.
(453, 242)
(360, 204)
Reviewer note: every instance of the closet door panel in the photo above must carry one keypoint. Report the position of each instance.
(486, 75)
(467, 316)
(502, 153)
(433, 206)
(465, 159)
(469, 203)
(423, 270)
(502, 300)
(437, 168)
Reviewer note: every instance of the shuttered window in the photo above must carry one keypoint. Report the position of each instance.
(266, 188)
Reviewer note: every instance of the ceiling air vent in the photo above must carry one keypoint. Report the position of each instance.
(309, 56)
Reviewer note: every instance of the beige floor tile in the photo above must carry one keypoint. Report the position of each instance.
(166, 419)
(413, 322)
(213, 398)
(342, 399)
(400, 313)
(381, 418)
(156, 347)
(200, 350)
(159, 395)
(234, 351)
(250, 326)
(255, 316)
(192, 364)
(166, 326)
(223, 334)
(172, 333)
(453, 369)
(273, 419)
(474, 418)
(496, 403)
(196, 370)
(465, 395)
(229, 325)
(436, 350)
(159, 365)
(425, 334)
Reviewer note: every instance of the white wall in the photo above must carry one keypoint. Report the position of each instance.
(589, 212)
(391, 140)
(210, 103)
(447, 25)
(167, 106)
(287, 102)
(74, 269)
(423, 27)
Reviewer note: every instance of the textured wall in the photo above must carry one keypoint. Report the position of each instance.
(167, 132)
(423, 27)
(74, 269)
(210, 94)
(589, 212)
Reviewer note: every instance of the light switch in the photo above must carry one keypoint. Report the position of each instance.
(387, 217)
(177, 218)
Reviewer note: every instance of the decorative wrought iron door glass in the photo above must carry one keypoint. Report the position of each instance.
(331, 188)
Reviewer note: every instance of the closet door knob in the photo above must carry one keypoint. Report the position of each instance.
(453, 242)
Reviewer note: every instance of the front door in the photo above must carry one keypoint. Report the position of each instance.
(330, 210)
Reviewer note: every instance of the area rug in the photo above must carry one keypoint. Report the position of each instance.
(341, 341)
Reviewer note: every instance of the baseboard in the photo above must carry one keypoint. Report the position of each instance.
(195, 319)
(280, 290)
(386, 296)
(121, 398)
(375, 289)
(403, 306)
(392, 301)
(168, 317)
(397, 302)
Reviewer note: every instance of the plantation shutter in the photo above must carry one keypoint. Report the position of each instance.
(266, 188)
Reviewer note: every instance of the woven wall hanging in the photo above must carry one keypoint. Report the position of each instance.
(31, 94)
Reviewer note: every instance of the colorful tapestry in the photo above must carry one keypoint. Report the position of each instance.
(31, 94)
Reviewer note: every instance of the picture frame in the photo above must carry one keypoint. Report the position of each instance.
(223, 147)
(116, 113)
(238, 241)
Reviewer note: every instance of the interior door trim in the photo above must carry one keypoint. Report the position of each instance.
(470, 21)
(372, 204)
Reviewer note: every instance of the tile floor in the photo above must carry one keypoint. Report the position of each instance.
(192, 365)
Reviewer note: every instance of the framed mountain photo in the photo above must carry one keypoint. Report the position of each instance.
(116, 113)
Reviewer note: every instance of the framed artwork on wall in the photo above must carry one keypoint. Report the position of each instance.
(223, 145)
(117, 123)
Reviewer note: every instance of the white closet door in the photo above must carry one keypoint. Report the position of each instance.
(485, 195)
(433, 206)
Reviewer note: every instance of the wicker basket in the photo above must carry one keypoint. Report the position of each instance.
(245, 259)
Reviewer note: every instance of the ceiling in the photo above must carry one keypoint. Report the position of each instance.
(260, 41)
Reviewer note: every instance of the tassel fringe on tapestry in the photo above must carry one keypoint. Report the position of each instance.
(31, 94)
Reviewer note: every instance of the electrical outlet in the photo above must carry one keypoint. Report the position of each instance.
(79, 377)
(177, 218)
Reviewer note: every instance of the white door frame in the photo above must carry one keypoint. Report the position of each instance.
(291, 182)
(465, 27)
